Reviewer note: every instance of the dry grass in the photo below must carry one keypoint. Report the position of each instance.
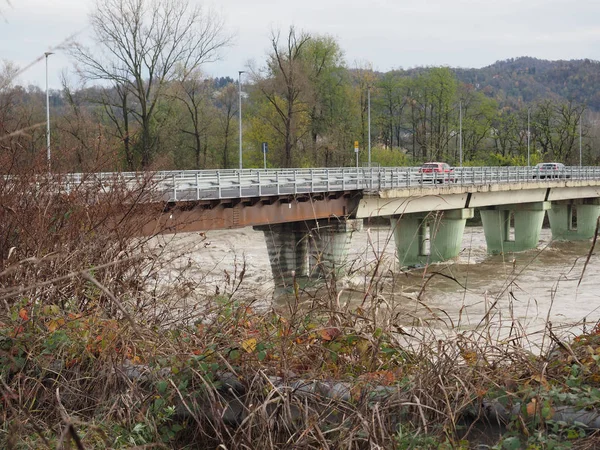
(96, 353)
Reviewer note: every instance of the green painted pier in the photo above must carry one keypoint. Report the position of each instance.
(428, 224)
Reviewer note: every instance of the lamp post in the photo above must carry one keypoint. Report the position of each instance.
(528, 137)
(580, 152)
(240, 111)
(369, 121)
(46, 54)
(460, 133)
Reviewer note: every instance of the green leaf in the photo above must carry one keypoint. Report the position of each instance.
(158, 404)
(161, 386)
(512, 443)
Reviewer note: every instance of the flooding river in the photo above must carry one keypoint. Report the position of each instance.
(529, 288)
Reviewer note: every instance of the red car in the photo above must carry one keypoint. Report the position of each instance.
(437, 172)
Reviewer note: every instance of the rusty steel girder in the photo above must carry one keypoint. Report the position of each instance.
(204, 215)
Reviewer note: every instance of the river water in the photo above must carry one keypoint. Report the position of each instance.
(526, 290)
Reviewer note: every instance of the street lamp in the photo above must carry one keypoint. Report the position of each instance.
(580, 153)
(240, 111)
(528, 137)
(46, 54)
(460, 155)
(369, 120)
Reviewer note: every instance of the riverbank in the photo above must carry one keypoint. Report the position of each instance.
(317, 375)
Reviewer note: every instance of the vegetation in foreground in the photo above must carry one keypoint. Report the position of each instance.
(96, 353)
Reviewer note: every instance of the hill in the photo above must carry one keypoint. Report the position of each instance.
(527, 79)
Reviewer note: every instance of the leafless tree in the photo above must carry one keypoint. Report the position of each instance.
(284, 84)
(194, 92)
(142, 45)
(227, 106)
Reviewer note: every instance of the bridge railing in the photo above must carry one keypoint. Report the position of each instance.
(198, 185)
(232, 183)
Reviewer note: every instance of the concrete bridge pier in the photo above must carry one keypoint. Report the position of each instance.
(573, 220)
(308, 249)
(287, 245)
(330, 241)
(513, 228)
(424, 238)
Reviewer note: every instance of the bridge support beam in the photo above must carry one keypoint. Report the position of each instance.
(310, 249)
(513, 228)
(573, 220)
(425, 238)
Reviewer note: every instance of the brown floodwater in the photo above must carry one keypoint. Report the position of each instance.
(526, 290)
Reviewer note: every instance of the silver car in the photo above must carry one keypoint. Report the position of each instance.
(552, 170)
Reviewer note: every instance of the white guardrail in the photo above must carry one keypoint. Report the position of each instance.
(188, 185)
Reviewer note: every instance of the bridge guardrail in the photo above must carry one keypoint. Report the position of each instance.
(232, 183)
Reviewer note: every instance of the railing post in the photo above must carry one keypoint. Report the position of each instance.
(218, 184)
(277, 180)
(239, 172)
(343, 179)
(198, 186)
(327, 175)
(259, 183)
(295, 182)
(174, 189)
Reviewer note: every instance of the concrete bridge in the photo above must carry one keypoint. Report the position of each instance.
(308, 215)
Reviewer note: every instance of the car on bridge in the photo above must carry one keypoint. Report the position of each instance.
(436, 172)
(550, 170)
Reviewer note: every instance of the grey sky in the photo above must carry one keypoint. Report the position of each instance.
(385, 33)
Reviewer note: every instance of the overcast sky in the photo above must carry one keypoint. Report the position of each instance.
(387, 34)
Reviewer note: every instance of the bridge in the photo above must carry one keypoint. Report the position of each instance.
(308, 215)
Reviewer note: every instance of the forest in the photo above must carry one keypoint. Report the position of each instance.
(151, 106)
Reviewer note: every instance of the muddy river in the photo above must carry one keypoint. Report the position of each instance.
(526, 290)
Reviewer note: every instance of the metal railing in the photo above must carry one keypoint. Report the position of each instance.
(224, 184)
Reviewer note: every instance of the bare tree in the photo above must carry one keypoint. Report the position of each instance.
(194, 93)
(142, 45)
(284, 85)
(227, 107)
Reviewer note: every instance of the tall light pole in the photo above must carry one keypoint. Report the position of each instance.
(528, 137)
(240, 111)
(460, 132)
(580, 152)
(47, 114)
(369, 120)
